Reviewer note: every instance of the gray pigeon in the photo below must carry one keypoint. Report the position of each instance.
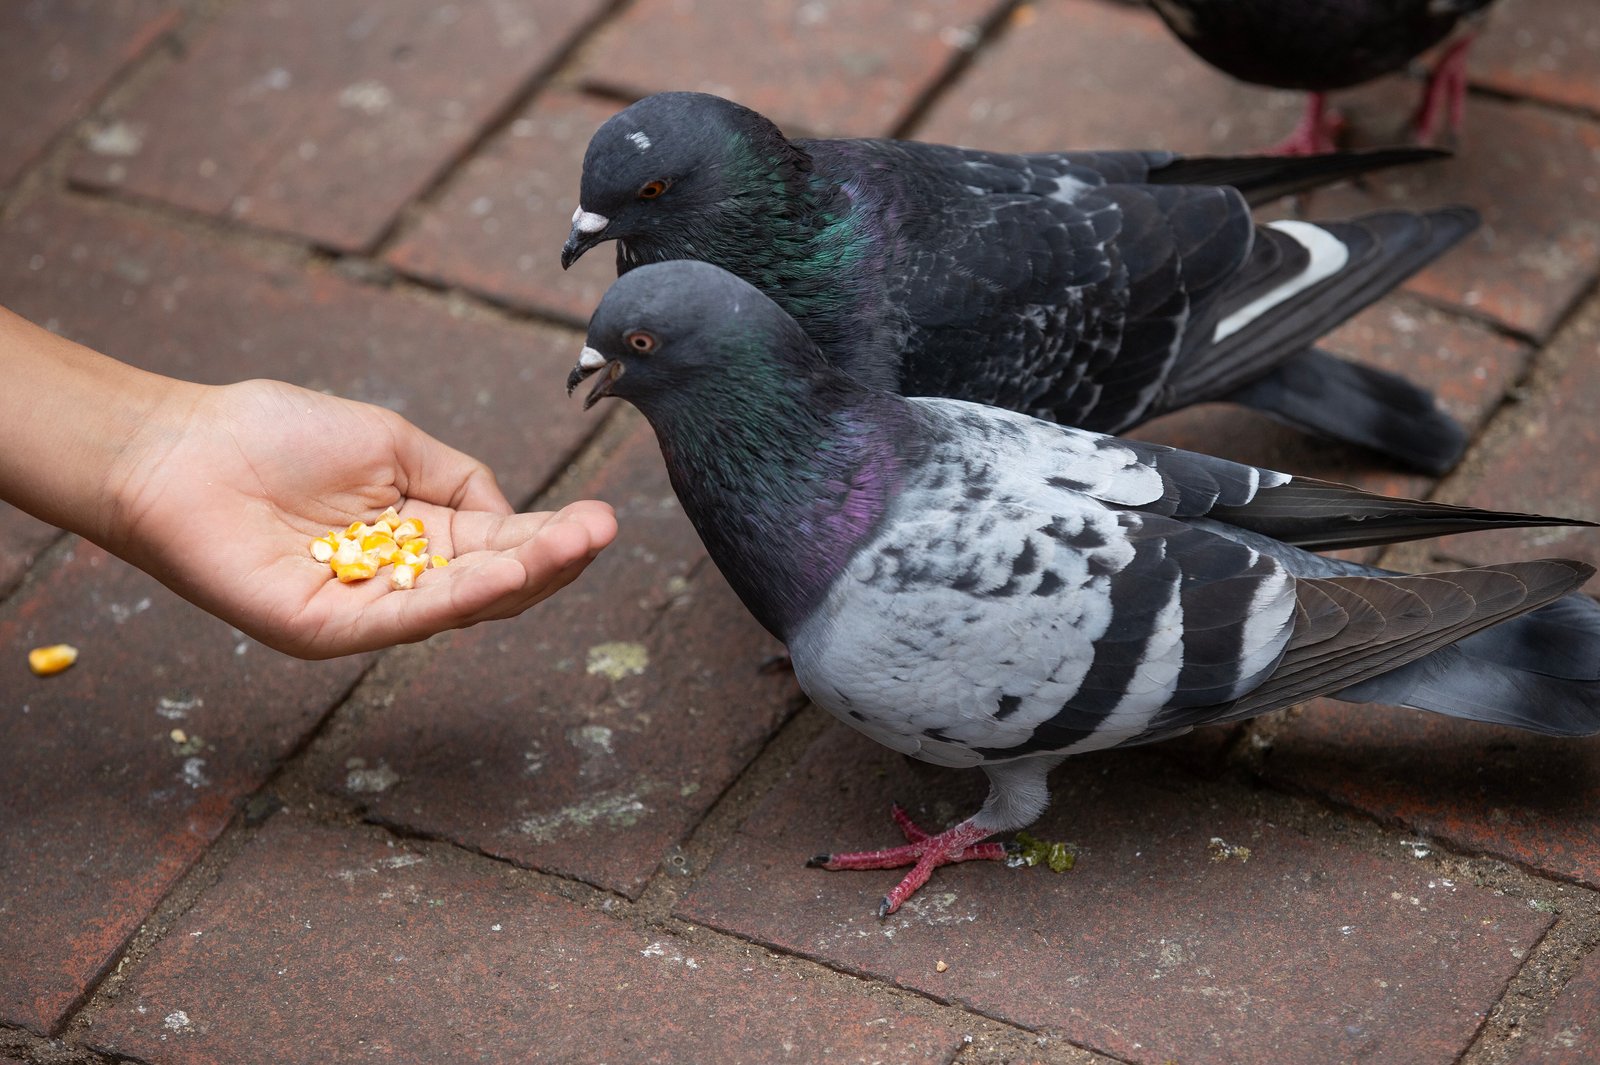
(1095, 289)
(974, 587)
(1321, 45)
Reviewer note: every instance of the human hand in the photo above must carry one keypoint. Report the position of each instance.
(220, 492)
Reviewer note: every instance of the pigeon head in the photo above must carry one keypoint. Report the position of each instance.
(669, 335)
(660, 175)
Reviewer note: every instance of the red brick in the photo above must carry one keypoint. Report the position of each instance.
(183, 306)
(834, 69)
(338, 112)
(1570, 1035)
(321, 945)
(1466, 365)
(103, 809)
(1530, 172)
(1546, 49)
(1150, 950)
(57, 57)
(1088, 74)
(588, 736)
(1541, 460)
(1512, 794)
(500, 224)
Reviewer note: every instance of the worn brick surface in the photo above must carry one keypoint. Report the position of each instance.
(1531, 799)
(1527, 467)
(57, 57)
(1115, 79)
(1570, 1035)
(499, 226)
(1548, 51)
(587, 736)
(191, 308)
(322, 945)
(1531, 172)
(1151, 949)
(101, 807)
(827, 67)
(1467, 366)
(338, 111)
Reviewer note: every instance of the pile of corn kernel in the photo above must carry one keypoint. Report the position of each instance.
(362, 550)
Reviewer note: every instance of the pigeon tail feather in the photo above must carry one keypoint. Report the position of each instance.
(1539, 672)
(1320, 394)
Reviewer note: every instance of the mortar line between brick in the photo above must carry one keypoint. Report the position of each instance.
(156, 50)
(512, 106)
(990, 30)
(168, 909)
(1456, 481)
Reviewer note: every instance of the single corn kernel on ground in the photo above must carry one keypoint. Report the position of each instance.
(46, 661)
(359, 552)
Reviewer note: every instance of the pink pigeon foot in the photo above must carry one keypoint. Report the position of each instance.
(922, 851)
(1445, 94)
(1317, 133)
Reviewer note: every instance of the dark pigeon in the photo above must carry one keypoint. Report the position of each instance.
(1095, 289)
(974, 587)
(1319, 46)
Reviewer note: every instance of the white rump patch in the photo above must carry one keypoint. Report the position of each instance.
(588, 222)
(1328, 257)
(640, 140)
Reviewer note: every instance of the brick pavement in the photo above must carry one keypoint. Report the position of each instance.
(579, 835)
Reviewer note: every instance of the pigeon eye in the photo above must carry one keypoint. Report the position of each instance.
(639, 340)
(652, 189)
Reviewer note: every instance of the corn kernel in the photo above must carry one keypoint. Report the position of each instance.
(46, 661)
(362, 550)
(359, 570)
(439, 561)
(405, 574)
(410, 529)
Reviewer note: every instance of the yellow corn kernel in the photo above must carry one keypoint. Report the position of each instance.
(348, 551)
(46, 661)
(410, 529)
(406, 573)
(323, 547)
(359, 570)
(361, 550)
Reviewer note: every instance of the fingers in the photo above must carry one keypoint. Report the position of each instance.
(434, 472)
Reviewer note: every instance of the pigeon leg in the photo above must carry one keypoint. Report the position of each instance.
(923, 851)
(1317, 133)
(1445, 94)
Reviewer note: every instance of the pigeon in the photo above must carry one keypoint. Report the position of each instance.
(974, 587)
(1321, 45)
(1096, 289)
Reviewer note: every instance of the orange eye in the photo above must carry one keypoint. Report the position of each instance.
(652, 189)
(639, 340)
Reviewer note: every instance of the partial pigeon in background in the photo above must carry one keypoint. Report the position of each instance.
(1321, 45)
(1093, 289)
(974, 587)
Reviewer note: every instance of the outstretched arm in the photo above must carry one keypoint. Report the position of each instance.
(216, 491)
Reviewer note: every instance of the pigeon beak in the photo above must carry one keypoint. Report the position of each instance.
(591, 362)
(588, 229)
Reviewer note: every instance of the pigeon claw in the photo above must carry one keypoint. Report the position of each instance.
(923, 851)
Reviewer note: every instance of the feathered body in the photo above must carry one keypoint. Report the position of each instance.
(978, 588)
(1092, 289)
